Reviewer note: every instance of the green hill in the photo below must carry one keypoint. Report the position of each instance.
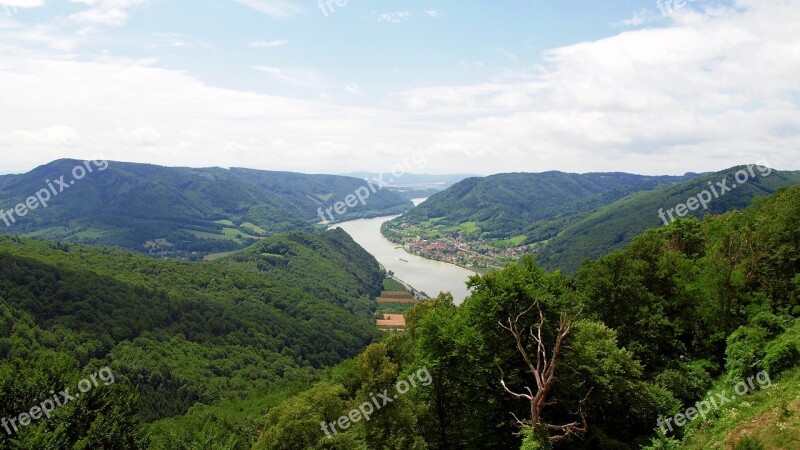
(688, 338)
(506, 205)
(616, 225)
(569, 217)
(175, 334)
(344, 274)
(179, 212)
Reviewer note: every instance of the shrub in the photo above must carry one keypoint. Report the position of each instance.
(540, 440)
(748, 443)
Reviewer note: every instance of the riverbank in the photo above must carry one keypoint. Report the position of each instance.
(425, 276)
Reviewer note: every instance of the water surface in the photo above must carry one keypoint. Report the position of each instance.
(423, 274)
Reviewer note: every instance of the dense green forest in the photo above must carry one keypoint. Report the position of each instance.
(511, 204)
(343, 273)
(686, 310)
(616, 225)
(180, 212)
(176, 335)
(569, 217)
(274, 347)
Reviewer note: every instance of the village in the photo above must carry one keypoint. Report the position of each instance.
(476, 255)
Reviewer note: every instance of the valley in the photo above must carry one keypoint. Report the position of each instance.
(427, 276)
(316, 312)
(399, 225)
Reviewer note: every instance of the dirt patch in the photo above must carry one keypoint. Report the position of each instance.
(392, 320)
(750, 428)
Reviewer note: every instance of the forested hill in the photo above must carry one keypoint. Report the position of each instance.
(178, 212)
(689, 338)
(343, 273)
(507, 205)
(569, 217)
(616, 225)
(175, 334)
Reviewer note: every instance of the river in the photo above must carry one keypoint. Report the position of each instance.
(423, 274)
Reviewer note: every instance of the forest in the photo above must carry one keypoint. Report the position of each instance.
(686, 309)
(175, 334)
(564, 217)
(179, 212)
(261, 348)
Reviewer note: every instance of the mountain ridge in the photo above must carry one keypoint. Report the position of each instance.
(560, 215)
(180, 211)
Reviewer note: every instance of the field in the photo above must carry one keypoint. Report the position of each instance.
(390, 284)
(392, 304)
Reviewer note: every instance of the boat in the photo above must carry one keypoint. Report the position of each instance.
(401, 259)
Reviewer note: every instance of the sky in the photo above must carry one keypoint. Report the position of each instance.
(335, 86)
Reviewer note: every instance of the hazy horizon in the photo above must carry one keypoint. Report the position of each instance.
(426, 173)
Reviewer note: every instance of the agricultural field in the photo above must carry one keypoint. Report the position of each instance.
(392, 305)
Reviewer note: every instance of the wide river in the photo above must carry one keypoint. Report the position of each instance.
(428, 276)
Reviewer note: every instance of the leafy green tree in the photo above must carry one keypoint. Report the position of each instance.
(297, 424)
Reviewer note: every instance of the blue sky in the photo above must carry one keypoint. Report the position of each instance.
(661, 86)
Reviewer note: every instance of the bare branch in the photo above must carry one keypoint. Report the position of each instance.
(543, 372)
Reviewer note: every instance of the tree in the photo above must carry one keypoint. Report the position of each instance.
(543, 372)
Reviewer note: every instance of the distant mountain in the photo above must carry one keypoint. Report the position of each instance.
(411, 185)
(180, 212)
(569, 216)
(616, 225)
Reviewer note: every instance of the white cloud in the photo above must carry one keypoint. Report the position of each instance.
(177, 40)
(711, 91)
(511, 56)
(9, 5)
(273, 8)
(433, 14)
(105, 12)
(639, 18)
(394, 17)
(703, 92)
(140, 137)
(54, 136)
(279, 74)
(268, 44)
(352, 88)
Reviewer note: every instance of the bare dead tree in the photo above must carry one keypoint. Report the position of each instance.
(543, 371)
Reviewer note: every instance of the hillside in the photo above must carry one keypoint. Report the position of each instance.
(640, 340)
(507, 205)
(563, 218)
(616, 225)
(484, 223)
(179, 212)
(251, 351)
(178, 334)
(769, 418)
(344, 274)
